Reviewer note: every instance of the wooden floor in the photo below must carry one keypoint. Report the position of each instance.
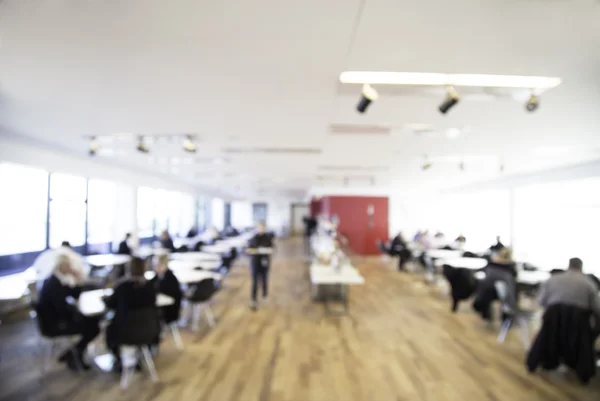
(399, 343)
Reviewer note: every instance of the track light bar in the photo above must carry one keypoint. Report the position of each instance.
(94, 146)
(437, 79)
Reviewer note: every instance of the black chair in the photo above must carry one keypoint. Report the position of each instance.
(55, 339)
(462, 284)
(140, 330)
(199, 296)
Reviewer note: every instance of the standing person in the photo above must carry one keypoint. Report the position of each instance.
(61, 316)
(259, 262)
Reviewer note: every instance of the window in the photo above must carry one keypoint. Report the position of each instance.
(161, 216)
(67, 209)
(217, 211)
(187, 216)
(23, 209)
(227, 215)
(101, 211)
(558, 221)
(146, 206)
(174, 212)
(259, 212)
(202, 220)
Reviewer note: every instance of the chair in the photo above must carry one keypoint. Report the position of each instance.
(462, 284)
(510, 316)
(55, 340)
(139, 331)
(199, 297)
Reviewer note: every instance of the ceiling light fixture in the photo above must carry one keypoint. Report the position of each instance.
(532, 103)
(189, 145)
(368, 95)
(427, 164)
(141, 145)
(437, 79)
(94, 146)
(452, 97)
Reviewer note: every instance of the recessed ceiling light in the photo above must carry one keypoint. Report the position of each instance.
(452, 132)
(436, 79)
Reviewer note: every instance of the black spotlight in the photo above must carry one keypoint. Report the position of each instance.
(426, 166)
(452, 97)
(94, 146)
(141, 146)
(367, 96)
(532, 104)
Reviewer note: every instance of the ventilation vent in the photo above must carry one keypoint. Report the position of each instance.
(358, 129)
(274, 151)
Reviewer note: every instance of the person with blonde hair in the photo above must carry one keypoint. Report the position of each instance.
(501, 268)
(61, 316)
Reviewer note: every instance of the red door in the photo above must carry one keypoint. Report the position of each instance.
(363, 220)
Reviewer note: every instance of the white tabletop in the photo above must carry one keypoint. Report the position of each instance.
(324, 274)
(195, 256)
(465, 263)
(13, 287)
(90, 302)
(443, 254)
(194, 276)
(216, 248)
(177, 265)
(107, 260)
(532, 277)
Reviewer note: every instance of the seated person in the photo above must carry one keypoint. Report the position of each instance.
(124, 246)
(59, 313)
(231, 232)
(166, 283)
(497, 246)
(500, 268)
(132, 292)
(192, 233)
(166, 241)
(459, 243)
(572, 288)
(399, 247)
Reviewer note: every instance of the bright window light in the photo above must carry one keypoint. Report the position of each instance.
(436, 79)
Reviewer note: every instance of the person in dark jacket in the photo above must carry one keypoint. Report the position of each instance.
(61, 316)
(166, 241)
(192, 233)
(399, 247)
(124, 248)
(566, 337)
(497, 246)
(500, 268)
(166, 283)
(259, 262)
(133, 292)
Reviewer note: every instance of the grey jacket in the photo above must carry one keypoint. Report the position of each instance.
(571, 288)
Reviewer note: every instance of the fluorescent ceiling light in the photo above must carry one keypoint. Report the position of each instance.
(435, 79)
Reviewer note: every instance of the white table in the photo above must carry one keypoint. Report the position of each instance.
(147, 251)
(90, 303)
(107, 260)
(195, 256)
(325, 279)
(443, 254)
(13, 287)
(465, 263)
(217, 249)
(177, 265)
(532, 277)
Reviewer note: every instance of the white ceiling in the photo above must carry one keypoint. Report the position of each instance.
(263, 74)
